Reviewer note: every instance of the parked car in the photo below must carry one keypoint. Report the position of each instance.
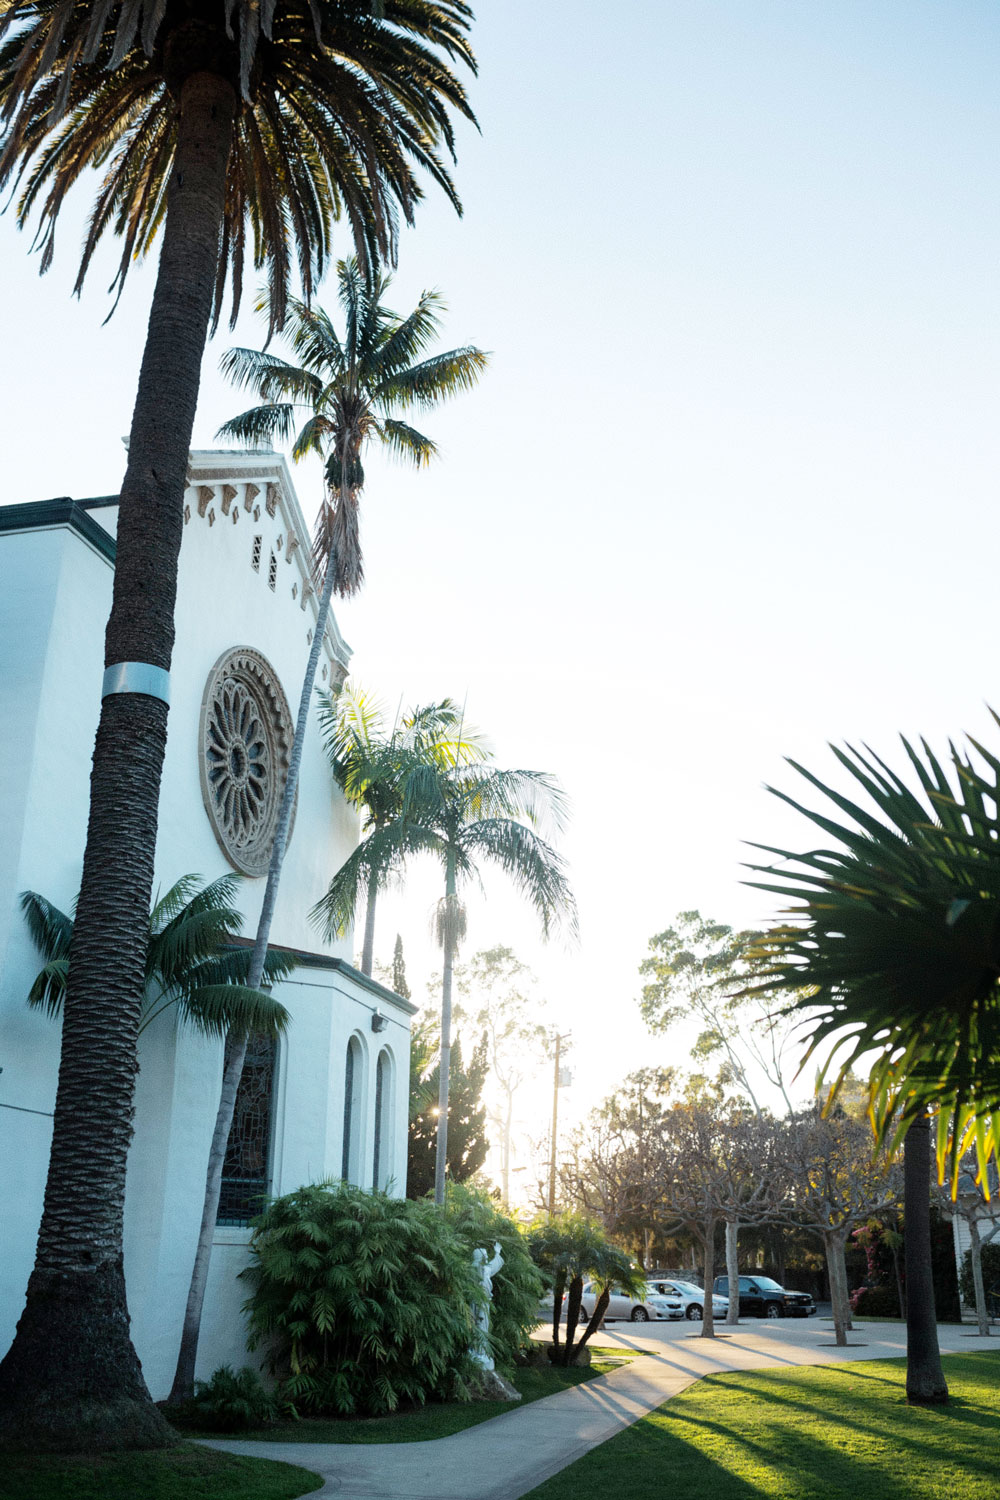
(692, 1298)
(653, 1307)
(760, 1297)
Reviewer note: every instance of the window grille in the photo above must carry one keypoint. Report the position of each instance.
(272, 572)
(246, 1179)
(258, 543)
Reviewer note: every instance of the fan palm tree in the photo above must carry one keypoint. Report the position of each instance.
(351, 386)
(233, 127)
(465, 816)
(895, 930)
(371, 765)
(191, 963)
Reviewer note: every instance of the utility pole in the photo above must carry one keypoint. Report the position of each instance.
(555, 1120)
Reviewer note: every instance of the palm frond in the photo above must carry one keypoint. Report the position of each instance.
(50, 928)
(534, 868)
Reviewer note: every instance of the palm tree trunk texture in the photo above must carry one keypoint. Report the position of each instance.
(925, 1382)
(441, 1160)
(236, 1042)
(574, 1302)
(597, 1317)
(836, 1267)
(71, 1378)
(733, 1268)
(708, 1318)
(558, 1289)
(368, 946)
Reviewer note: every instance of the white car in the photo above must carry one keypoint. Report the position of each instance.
(653, 1307)
(690, 1297)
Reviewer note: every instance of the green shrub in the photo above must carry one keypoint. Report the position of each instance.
(991, 1277)
(362, 1300)
(876, 1302)
(518, 1284)
(232, 1402)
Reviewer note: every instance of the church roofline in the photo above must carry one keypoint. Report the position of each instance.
(307, 960)
(45, 515)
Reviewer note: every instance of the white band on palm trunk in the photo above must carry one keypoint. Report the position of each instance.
(136, 677)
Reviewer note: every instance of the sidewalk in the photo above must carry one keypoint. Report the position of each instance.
(510, 1455)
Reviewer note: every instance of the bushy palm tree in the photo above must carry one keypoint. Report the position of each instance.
(895, 930)
(466, 816)
(238, 129)
(191, 963)
(373, 766)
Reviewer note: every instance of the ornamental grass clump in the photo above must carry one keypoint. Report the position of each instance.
(363, 1301)
(518, 1284)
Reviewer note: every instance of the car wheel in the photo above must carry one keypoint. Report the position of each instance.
(773, 1310)
(694, 1313)
(640, 1315)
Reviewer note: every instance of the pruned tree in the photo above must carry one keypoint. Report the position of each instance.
(837, 1181)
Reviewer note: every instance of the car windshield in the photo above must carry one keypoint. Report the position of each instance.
(688, 1287)
(765, 1281)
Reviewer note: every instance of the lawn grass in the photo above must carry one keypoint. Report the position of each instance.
(182, 1473)
(832, 1432)
(440, 1419)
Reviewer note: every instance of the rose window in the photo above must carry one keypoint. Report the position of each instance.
(246, 738)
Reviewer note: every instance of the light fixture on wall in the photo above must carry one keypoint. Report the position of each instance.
(379, 1021)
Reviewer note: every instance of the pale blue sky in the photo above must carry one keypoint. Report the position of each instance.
(729, 490)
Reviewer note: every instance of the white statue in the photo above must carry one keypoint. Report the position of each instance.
(481, 1311)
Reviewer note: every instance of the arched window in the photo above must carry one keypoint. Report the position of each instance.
(246, 1171)
(382, 1167)
(353, 1087)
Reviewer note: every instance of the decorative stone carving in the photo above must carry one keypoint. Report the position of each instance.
(250, 493)
(228, 496)
(206, 494)
(272, 498)
(293, 542)
(245, 741)
(187, 514)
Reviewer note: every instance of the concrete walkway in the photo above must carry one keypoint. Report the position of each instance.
(506, 1457)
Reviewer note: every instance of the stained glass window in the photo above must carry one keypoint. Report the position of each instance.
(381, 1100)
(246, 1171)
(345, 1165)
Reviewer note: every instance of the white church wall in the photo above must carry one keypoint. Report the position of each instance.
(53, 607)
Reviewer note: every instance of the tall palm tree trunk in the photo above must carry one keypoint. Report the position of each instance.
(236, 1042)
(368, 946)
(71, 1377)
(441, 1160)
(925, 1382)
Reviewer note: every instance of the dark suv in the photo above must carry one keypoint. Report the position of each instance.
(760, 1297)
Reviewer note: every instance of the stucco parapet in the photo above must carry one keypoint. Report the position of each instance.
(307, 960)
(51, 515)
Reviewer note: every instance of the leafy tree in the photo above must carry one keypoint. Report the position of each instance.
(465, 815)
(497, 990)
(191, 963)
(700, 969)
(979, 1214)
(569, 1248)
(362, 1301)
(467, 1141)
(219, 125)
(399, 985)
(895, 928)
(375, 768)
(517, 1285)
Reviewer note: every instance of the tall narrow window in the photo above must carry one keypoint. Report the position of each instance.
(246, 1171)
(352, 1087)
(379, 1168)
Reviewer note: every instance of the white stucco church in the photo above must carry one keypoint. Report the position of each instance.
(331, 1099)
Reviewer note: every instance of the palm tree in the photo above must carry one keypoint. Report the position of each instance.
(191, 962)
(895, 930)
(222, 124)
(464, 816)
(351, 386)
(371, 765)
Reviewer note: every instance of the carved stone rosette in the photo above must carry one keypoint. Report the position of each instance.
(244, 744)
